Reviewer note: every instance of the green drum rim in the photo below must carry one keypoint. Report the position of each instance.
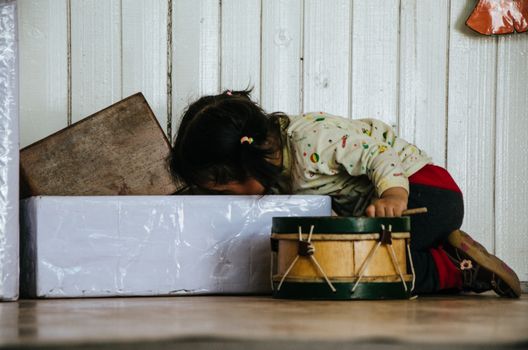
(338, 224)
(321, 291)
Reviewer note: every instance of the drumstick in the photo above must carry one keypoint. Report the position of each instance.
(415, 211)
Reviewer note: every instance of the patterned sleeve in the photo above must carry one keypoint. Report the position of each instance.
(359, 152)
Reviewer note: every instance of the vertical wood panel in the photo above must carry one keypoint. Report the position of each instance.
(327, 56)
(196, 55)
(281, 53)
(145, 53)
(375, 60)
(43, 68)
(423, 75)
(96, 55)
(470, 158)
(241, 45)
(512, 159)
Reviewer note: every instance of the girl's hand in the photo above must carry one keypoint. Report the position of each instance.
(392, 203)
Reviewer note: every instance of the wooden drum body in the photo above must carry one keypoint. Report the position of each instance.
(341, 258)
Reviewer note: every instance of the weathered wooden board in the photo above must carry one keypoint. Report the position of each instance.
(119, 150)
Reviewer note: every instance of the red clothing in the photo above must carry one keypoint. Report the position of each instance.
(435, 176)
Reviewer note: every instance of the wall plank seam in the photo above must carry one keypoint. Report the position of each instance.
(220, 42)
(301, 59)
(121, 48)
(446, 123)
(351, 61)
(121, 58)
(260, 51)
(495, 229)
(398, 75)
(68, 64)
(169, 70)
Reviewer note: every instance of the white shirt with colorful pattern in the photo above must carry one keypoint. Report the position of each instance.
(327, 154)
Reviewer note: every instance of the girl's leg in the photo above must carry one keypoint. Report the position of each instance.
(445, 212)
(445, 257)
(427, 280)
(430, 230)
(432, 187)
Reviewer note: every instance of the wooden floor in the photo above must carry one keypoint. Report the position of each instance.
(459, 322)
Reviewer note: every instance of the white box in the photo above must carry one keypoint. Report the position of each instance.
(152, 245)
(9, 149)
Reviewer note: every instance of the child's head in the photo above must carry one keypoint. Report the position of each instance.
(226, 143)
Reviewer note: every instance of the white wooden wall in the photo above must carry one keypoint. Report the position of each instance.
(460, 96)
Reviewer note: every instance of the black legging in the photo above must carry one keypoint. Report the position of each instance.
(445, 212)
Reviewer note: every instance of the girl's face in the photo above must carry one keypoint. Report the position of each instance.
(248, 187)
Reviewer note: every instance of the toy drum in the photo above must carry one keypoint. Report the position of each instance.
(341, 258)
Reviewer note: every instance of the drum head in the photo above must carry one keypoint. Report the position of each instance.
(338, 224)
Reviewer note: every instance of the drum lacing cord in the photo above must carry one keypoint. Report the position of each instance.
(412, 265)
(310, 250)
(386, 239)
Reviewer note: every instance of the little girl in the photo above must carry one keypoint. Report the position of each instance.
(227, 144)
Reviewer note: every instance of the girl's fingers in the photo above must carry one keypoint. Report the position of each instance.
(383, 210)
(370, 211)
(398, 212)
(380, 211)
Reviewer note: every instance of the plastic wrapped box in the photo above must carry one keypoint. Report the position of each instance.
(8, 152)
(152, 245)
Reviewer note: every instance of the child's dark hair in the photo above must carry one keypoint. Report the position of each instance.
(209, 147)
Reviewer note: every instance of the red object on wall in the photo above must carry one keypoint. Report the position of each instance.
(499, 17)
